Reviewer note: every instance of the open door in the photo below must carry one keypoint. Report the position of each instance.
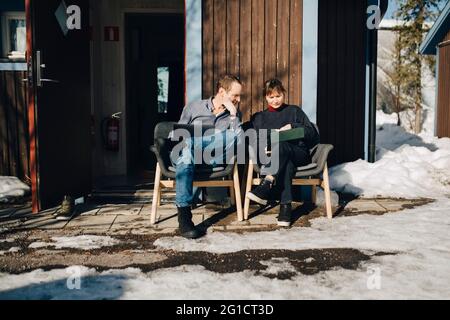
(59, 110)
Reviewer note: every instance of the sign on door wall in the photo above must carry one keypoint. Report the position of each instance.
(112, 34)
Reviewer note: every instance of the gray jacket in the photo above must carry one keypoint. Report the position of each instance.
(200, 112)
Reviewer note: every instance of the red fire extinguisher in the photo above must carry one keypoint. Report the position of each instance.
(111, 132)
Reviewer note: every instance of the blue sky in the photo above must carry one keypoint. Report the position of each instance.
(391, 9)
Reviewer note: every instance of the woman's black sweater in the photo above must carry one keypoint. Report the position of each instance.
(288, 114)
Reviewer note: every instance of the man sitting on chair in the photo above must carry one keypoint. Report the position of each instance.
(221, 113)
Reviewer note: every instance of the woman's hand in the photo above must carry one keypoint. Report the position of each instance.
(285, 128)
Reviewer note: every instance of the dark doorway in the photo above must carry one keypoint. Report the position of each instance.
(59, 101)
(155, 81)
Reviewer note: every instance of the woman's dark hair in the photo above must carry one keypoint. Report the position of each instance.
(273, 85)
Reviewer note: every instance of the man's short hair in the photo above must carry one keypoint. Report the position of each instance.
(226, 82)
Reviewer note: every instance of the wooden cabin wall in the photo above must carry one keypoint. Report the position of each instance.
(255, 40)
(443, 100)
(341, 77)
(14, 138)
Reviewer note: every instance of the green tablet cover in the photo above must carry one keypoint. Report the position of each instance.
(288, 135)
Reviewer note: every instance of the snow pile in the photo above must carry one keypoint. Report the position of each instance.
(12, 187)
(80, 242)
(11, 250)
(426, 227)
(408, 166)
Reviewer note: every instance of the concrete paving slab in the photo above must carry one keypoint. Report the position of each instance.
(361, 205)
(130, 222)
(93, 222)
(130, 210)
(393, 205)
(264, 219)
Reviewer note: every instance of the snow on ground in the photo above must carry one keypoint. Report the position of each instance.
(12, 250)
(86, 242)
(12, 187)
(419, 270)
(414, 275)
(405, 231)
(408, 166)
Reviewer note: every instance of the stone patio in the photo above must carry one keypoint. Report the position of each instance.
(122, 219)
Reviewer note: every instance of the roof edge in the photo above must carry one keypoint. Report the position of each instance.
(436, 33)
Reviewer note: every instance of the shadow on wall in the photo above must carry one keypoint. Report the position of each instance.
(109, 287)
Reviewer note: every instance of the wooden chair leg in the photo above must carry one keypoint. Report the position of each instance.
(232, 195)
(326, 189)
(237, 191)
(314, 195)
(159, 197)
(156, 194)
(248, 189)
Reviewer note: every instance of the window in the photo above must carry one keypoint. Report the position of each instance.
(163, 89)
(14, 37)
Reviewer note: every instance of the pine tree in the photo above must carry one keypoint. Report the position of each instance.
(415, 13)
(397, 77)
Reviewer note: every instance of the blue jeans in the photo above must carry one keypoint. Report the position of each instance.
(223, 143)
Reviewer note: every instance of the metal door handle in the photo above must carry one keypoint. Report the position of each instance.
(40, 66)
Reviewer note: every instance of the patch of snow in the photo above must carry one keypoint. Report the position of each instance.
(408, 166)
(9, 240)
(321, 198)
(408, 172)
(277, 265)
(86, 242)
(39, 244)
(388, 277)
(12, 187)
(407, 230)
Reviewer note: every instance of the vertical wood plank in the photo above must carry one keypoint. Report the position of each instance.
(271, 43)
(22, 126)
(331, 73)
(233, 26)
(340, 57)
(296, 52)
(258, 45)
(220, 38)
(208, 48)
(4, 163)
(283, 47)
(257, 40)
(11, 105)
(246, 40)
(349, 96)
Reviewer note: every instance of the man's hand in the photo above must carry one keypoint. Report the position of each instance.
(285, 128)
(230, 107)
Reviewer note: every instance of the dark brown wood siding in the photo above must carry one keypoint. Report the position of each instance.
(14, 142)
(256, 40)
(341, 77)
(443, 101)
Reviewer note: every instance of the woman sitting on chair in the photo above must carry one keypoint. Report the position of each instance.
(292, 154)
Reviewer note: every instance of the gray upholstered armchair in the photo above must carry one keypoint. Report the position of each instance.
(205, 176)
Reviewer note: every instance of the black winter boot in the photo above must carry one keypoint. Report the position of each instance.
(262, 193)
(186, 226)
(284, 219)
